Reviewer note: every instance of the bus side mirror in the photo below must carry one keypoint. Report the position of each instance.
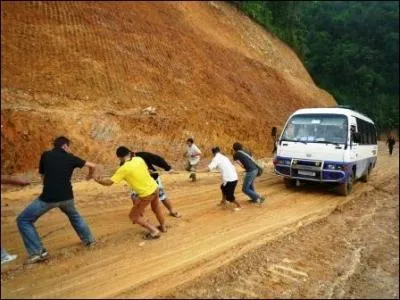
(356, 136)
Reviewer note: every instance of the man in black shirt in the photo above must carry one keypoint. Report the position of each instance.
(391, 142)
(244, 159)
(56, 167)
(152, 160)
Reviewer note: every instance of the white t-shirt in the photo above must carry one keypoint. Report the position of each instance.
(191, 150)
(228, 171)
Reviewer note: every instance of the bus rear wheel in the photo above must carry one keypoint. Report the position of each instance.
(365, 177)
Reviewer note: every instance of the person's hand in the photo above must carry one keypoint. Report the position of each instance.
(20, 182)
(24, 182)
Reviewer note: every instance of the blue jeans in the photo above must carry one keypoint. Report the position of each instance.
(248, 185)
(36, 209)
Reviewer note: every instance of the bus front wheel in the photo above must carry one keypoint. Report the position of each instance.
(345, 189)
(289, 183)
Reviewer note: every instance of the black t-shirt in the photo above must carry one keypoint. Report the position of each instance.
(247, 163)
(57, 166)
(391, 142)
(153, 160)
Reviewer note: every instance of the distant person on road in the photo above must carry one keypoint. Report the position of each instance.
(274, 139)
(193, 154)
(55, 167)
(135, 173)
(245, 160)
(391, 142)
(228, 175)
(5, 256)
(152, 160)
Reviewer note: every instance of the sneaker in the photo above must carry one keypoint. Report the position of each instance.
(90, 244)
(237, 209)
(8, 258)
(254, 201)
(262, 199)
(38, 257)
(44, 253)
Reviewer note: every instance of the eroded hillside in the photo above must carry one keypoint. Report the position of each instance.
(88, 69)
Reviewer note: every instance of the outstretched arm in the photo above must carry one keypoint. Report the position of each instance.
(105, 181)
(13, 180)
(92, 168)
(239, 163)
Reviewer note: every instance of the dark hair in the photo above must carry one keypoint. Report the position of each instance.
(215, 150)
(122, 151)
(190, 140)
(237, 146)
(61, 141)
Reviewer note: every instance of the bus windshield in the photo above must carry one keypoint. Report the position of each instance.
(317, 128)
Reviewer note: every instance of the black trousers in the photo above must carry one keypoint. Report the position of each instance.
(228, 190)
(390, 150)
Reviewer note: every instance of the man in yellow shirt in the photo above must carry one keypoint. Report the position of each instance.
(135, 173)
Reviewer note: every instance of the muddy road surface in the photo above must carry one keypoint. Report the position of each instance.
(302, 242)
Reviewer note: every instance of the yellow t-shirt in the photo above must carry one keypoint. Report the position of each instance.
(137, 176)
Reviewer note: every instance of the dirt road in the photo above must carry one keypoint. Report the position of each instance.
(214, 252)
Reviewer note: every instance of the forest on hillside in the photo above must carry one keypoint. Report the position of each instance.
(350, 48)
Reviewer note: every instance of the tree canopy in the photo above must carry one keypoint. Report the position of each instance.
(350, 48)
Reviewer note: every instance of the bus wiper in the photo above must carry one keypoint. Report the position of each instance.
(328, 142)
(287, 140)
(304, 142)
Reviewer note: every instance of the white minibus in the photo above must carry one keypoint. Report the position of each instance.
(331, 145)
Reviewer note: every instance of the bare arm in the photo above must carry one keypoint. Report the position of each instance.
(106, 181)
(172, 171)
(203, 170)
(92, 168)
(239, 163)
(14, 180)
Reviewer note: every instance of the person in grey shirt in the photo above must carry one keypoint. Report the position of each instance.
(242, 158)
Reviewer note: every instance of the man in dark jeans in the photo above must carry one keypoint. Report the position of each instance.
(56, 167)
(243, 159)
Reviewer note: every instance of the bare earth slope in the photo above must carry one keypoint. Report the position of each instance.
(87, 69)
(347, 250)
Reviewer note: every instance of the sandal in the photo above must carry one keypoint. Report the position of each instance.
(175, 214)
(162, 229)
(149, 236)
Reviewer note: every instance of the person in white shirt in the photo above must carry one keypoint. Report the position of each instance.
(228, 175)
(193, 154)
